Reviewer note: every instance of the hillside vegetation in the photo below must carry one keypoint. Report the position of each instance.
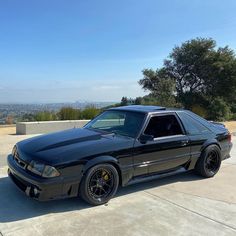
(197, 76)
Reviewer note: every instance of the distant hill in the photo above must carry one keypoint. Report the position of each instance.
(18, 110)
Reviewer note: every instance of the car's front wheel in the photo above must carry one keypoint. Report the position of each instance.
(209, 161)
(99, 184)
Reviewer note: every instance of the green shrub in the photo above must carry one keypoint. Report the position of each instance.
(219, 110)
(233, 116)
(45, 116)
(90, 112)
(201, 111)
(27, 117)
(69, 113)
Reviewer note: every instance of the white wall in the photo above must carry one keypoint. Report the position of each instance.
(48, 126)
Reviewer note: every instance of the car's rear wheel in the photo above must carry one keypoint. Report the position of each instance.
(99, 184)
(209, 162)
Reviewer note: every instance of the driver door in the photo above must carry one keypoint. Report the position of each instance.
(169, 149)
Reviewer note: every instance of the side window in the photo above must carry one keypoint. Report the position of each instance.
(161, 126)
(110, 119)
(191, 125)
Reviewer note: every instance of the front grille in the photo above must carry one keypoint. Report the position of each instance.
(17, 159)
(20, 163)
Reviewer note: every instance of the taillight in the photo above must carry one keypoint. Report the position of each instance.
(229, 138)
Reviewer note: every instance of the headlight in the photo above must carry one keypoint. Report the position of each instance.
(43, 170)
(14, 151)
(50, 171)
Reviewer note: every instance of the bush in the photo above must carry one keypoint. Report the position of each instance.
(219, 110)
(45, 116)
(27, 117)
(233, 116)
(151, 99)
(66, 113)
(69, 113)
(90, 112)
(201, 111)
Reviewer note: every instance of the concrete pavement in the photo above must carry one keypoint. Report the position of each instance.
(179, 205)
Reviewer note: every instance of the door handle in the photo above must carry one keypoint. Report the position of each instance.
(184, 143)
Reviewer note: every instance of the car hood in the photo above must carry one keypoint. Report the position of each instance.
(71, 145)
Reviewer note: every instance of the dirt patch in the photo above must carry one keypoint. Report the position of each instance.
(231, 126)
(4, 130)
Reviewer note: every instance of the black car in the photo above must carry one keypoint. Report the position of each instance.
(121, 146)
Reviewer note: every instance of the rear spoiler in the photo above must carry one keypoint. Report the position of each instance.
(216, 123)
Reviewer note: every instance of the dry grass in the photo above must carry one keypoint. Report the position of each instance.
(231, 126)
(4, 130)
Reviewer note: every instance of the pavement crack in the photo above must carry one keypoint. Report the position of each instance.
(194, 212)
(195, 195)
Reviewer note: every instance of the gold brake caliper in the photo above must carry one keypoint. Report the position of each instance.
(105, 175)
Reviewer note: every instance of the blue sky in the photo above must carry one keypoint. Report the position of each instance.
(63, 51)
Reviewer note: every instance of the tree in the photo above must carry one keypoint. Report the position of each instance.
(124, 101)
(202, 72)
(69, 113)
(138, 101)
(195, 74)
(161, 86)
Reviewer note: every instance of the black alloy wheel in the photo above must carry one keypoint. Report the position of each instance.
(99, 184)
(212, 161)
(209, 162)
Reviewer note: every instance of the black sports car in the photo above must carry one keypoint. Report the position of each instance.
(121, 146)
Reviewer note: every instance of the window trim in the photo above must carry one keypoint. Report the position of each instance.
(125, 111)
(169, 137)
(196, 120)
(151, 115)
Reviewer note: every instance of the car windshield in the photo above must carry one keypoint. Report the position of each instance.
(119, 122)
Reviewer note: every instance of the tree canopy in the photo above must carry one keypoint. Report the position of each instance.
(197, 75)
(161, 86)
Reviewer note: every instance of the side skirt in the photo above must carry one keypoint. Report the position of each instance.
(146, 178)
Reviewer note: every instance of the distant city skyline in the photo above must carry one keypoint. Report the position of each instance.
(64, 51)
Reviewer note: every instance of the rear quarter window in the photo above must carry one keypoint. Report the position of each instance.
(191, 125)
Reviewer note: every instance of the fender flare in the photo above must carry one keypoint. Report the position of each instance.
(207, 143)
(210, 142)
(100, 160)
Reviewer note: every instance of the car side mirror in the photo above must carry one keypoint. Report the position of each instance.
(145, 138)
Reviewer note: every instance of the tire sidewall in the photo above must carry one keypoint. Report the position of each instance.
(84, 189)
(204, 157)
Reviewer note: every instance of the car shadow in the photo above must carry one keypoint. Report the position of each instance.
(181, 177)
(15, 205)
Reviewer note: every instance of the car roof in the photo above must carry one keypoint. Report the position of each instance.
(139, 108)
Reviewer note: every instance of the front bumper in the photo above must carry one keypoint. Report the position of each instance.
(39, 188)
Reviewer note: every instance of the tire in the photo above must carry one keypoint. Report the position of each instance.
(99, 184)
(209, 162)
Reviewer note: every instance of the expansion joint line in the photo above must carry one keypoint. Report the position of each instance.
(194, 212)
